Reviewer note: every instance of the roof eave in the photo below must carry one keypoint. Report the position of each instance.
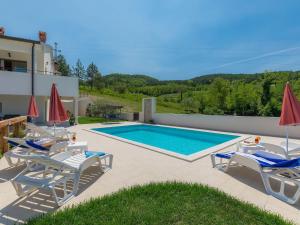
(19, 39)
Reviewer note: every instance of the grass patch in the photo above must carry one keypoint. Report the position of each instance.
(87, 120)
(165, 204)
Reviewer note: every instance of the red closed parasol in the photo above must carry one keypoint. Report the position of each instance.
(57, 112)
(33, 110)
(290, 110)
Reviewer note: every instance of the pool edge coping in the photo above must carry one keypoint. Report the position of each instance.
(190, 158)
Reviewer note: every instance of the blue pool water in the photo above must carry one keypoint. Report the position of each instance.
(182, 141)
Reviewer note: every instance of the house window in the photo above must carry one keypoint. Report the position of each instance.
(13, 65)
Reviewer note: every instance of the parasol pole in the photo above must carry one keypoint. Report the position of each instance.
(287, 139)
(54, 129)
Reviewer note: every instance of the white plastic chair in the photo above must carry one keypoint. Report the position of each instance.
(59, 170)
(22, 148)
(35, 131)
(285, 176)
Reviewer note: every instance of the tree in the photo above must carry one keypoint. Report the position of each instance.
(79, 71)
(98, 82)
(93, 75)
(266, 94)
(218, 92)
(62, 66)
(189, 104)
(120, 88)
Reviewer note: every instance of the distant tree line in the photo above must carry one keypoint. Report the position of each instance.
(218, 94)
(90, 76)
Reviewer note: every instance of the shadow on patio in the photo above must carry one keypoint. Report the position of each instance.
(40, 202)
(10, 172)
(254, 180)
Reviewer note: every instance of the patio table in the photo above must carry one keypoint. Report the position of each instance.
(78, 145)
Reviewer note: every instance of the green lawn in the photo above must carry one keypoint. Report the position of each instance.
(163, 204)
(86, 120)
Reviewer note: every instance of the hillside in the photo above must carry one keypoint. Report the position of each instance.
(131, 102)
(207, 79)
(233, 94)
(130, 80)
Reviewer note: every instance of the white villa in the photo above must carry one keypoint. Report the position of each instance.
(27, 67)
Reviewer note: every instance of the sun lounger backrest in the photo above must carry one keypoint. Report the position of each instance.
(17, 142)
(36, 129)
(89, 162)
(58, 132)
(274, 148)
(244, 160)
(33, 145)
(57, 147)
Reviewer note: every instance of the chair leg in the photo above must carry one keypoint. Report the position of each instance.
(213, 160)
(21, 191)
(8, 159)
(111, 161)
(281, 193)
(105, 166)
(66, 196)
(76, 181)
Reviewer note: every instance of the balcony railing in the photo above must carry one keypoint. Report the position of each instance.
(29, 71)
(18, 83)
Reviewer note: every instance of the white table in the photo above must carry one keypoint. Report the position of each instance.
(78, 145)
(246, 148)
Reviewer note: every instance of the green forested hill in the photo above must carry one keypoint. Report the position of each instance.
(129, 80)
(232, 94)
(207, 79)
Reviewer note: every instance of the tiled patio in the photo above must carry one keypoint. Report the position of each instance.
(135, 165)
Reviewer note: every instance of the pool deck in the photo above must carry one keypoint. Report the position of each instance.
(134, 165)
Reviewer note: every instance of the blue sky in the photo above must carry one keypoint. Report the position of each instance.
(168, 39)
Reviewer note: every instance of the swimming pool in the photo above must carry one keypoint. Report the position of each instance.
(179, 142)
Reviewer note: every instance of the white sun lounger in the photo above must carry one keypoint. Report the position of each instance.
(46, 132)
(270, 167)
(293, 152)
(24, 147)
(59, 170)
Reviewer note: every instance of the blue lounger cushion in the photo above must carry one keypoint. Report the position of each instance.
(265, 159)
(93, 153)
(269, 156)
(225, 155)
(266, 162)
(36, 146)
(16, 144)
(263, 154)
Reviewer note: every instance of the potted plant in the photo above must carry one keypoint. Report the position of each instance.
(72, 120)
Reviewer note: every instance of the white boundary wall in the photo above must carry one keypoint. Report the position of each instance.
(239, 124)
(127, 116)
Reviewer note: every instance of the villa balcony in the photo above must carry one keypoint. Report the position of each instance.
(18, 83)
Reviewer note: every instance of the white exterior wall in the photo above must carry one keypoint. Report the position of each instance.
(46, 59)
(43, 53)
(16, 83)
(13, 104)
(141, 117)
(66, 86)
(21, 56)
(148, 108)
(126, 116)
(239, 124)
(83, 104)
